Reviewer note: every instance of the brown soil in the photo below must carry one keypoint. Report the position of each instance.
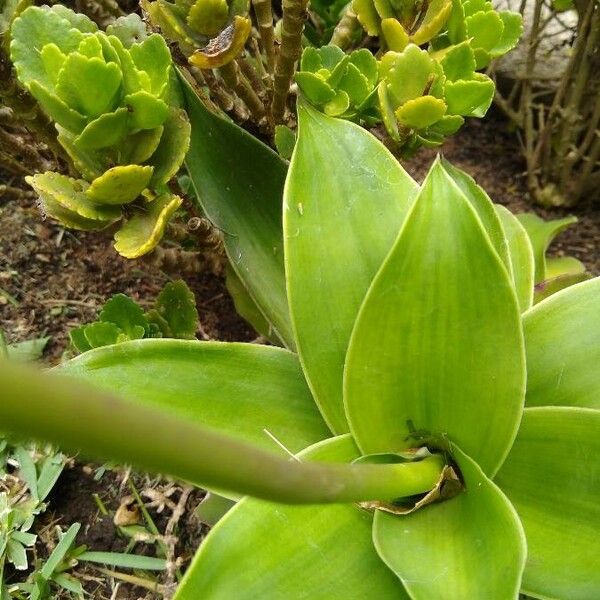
(52, 280)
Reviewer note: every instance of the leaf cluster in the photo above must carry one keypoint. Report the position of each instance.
(114, 102)
(174, 315)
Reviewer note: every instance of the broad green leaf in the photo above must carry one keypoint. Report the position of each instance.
(89, 163)
(144, 230)
(256, 393)
(246, 208)
(367, 15)
(563, 265)
(78, 339)
(484, 208)
(438, 345)
(471, 546)
(541, 233)
(246, 307)
(213, 508)
(552, 476)
(562, 341)
(338, 105)
(177, 305)
(338, 228)
(265, 550)
(119, 185)
(521, 256)
(126, 314)
(394, 34)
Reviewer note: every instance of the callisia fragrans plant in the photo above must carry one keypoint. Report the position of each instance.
(115, 105)
(443, 432)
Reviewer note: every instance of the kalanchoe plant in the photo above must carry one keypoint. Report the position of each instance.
(174, 315)
(424, 94)
(342, 85)
(418, 350)
(212, 33)
(116, 110)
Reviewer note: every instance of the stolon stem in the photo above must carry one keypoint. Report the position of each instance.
(79, 417)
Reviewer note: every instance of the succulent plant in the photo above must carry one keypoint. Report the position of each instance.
(402, 22)
(117, 116)
(342, 85)
(210, 32)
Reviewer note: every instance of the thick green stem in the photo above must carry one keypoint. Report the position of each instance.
(231, 75)
(294, 14)
(81, 418)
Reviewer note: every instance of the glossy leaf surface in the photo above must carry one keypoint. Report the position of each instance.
(282, 552)
(246, 208)
(338, 228)
(239, 389)
(471, 546)
(520, 255)
(438, 347)
(552, 475)
(562, 341)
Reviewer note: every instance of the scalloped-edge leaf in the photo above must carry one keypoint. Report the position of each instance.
(173, 146)
(144, 230)
(64, 199)
(422, 112)
(106, 130)
(470, 546)
(127, 314)
(120, 185)
(552, 476)
(56, 109)
(176, 304)
(30, 32)
(281, 552)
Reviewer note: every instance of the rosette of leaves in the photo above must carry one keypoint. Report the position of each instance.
(211, 32)
(111, 98)
(412, 327)
(341, 85)
(489, 32)
(400, 23)
(174, 315)
(424, 97)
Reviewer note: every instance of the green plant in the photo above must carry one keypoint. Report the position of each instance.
(423, 94)
(116, 111)
(433, 377)
(174, 315)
